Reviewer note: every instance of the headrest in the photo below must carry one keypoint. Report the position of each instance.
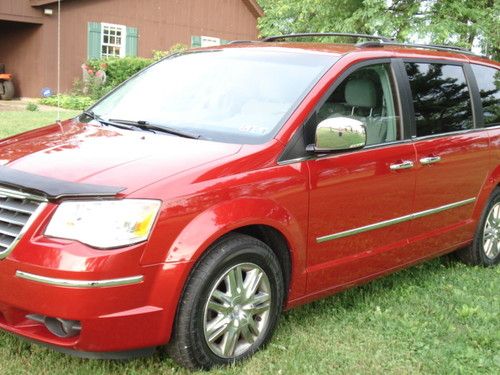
(361, 93)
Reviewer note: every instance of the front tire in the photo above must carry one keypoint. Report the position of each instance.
(8, 90)
(485, 249)
(230, 305)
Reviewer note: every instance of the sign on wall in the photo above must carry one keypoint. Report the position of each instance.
(208, 41)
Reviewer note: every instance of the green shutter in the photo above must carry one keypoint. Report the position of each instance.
(132, 41)
(196, 41)
(94, 40)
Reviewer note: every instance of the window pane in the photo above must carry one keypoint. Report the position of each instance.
(488, 81)
(440, 98)
(366, 95)
(216, 93)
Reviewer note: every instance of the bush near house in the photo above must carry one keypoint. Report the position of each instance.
(66, 101)
(117, 70)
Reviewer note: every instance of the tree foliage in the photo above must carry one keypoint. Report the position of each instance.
(460, 22)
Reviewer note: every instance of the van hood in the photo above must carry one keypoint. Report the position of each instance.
(102, 155)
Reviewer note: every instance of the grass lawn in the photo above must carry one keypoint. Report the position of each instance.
(437, 318)
(12, 122)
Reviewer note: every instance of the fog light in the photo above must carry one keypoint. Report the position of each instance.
(59, 327)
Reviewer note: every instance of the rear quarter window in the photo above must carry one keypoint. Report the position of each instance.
(488, 82)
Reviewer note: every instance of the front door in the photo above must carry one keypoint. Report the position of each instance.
(359, 199)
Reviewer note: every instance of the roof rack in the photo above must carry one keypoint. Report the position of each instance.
(436, 47)
(347, 35)
(242, 41)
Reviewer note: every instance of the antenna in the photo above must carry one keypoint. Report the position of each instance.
(59, 63)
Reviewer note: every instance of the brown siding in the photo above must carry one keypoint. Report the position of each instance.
(19, 10)
(161, 23)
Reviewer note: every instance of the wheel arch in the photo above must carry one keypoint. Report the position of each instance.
(491, 183)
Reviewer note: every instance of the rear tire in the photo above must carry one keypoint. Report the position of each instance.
(230, 305)
(8, 90)
(485, 248)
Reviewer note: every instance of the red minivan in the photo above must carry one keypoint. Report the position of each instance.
(222, 185)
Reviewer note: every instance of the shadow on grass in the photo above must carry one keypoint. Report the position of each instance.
(358, 297)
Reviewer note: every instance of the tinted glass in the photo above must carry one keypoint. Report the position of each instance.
(366, 95)
(234, 95)
(440, 98)
(488, 81)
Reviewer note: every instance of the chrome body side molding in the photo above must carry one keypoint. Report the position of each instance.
(386, 223)
(80, 283)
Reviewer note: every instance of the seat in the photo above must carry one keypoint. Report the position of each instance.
(361, 96)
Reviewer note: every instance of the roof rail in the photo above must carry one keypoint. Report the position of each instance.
(347, 35)
(242, 41)
(436, 47)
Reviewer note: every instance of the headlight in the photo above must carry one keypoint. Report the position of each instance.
(104, 224)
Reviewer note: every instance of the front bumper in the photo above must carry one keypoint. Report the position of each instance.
(115, 316)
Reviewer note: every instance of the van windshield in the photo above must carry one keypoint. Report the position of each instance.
(231, 95)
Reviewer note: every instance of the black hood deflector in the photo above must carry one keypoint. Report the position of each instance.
(52, 188)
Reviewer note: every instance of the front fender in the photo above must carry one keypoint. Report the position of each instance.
(228, 216)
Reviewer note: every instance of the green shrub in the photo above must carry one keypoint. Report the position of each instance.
(32, 107)
(68, 101)
(119, 69)
(176, 48)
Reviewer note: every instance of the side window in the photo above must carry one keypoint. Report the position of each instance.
(367, 95)
(440, 98)
(488, 81)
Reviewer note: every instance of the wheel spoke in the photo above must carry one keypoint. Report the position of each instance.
(252, 326)
(247, 335)
(218, 308)
(488, 233)
(239, 278)
(229, 342)
(222, 297)
(232, 282)
(489, 247)
(252, 282)
(217, 328)
(496, 212)
(492, 222)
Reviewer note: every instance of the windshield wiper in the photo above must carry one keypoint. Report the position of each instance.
(99, 119)
(145, 125)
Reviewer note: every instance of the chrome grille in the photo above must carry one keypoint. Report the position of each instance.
(17, 212)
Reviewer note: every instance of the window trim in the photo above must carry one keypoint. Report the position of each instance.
(403, 135)
(470, 85)
(122, 46)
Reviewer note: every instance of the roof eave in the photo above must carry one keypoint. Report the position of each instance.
(37, 3)
(254, 7)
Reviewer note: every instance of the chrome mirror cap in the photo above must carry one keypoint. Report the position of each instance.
(339, 134)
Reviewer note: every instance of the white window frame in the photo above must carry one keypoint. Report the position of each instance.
(122, 45)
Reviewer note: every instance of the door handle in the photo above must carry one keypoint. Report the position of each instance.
(430, 160)
(403, 165)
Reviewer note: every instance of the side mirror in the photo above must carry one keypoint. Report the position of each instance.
(339, 134)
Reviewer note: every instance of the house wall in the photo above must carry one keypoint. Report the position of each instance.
(19, 11)
(161, 23)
